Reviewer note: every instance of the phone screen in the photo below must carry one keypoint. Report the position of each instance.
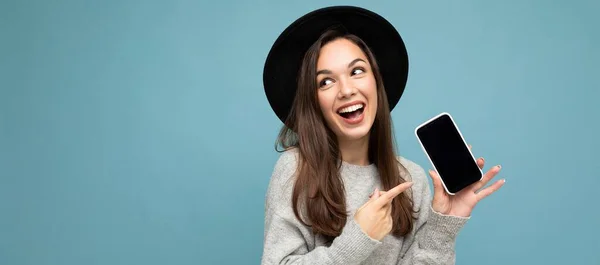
(448, 153)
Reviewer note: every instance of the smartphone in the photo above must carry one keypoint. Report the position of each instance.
(449, 154)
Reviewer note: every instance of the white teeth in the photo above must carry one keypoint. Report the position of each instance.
(351, 108)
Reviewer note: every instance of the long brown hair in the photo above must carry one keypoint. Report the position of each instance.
(318, 188)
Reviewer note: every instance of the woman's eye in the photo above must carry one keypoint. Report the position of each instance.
(357, 71)
(325, 82)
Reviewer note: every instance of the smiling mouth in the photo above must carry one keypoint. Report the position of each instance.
(351, 112)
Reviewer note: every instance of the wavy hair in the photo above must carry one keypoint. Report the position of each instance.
(318, 185)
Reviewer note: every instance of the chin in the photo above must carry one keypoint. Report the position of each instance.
(355, 133)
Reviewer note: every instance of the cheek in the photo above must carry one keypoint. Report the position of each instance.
(369, 90)
(371, 94)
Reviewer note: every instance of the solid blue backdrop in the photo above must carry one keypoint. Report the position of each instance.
(138, 132)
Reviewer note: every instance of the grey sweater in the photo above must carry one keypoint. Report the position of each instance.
(288, 241)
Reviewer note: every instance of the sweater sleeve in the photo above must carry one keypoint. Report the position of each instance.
(289, 241)
(435, 234)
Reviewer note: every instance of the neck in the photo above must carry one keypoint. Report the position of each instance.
(355, 152)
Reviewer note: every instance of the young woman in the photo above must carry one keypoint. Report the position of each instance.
(339, 194)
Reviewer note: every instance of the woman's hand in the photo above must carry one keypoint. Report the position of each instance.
(374, 217)
(462, 203)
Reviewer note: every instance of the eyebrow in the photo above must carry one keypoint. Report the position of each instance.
(324, 71)
(355, 61)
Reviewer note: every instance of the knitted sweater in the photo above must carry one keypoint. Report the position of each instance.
(288, 241)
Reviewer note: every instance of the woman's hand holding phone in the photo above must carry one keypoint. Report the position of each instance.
(462, 203)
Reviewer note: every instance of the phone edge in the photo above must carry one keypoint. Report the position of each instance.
(425, 151)
(461, 136)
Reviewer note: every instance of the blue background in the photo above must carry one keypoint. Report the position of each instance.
(137, 132)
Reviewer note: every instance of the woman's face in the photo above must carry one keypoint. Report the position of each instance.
(347, 89)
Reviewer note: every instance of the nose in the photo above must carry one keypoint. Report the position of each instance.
(346, 89)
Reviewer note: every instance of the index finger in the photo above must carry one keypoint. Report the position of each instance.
(392, 193)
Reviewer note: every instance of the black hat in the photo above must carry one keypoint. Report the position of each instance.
(285, 57)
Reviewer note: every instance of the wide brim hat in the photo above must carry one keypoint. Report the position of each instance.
(284, 60)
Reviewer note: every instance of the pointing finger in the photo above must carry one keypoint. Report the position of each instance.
(391, 194)
(380, 193)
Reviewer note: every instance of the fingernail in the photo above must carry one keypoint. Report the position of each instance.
(499, 166)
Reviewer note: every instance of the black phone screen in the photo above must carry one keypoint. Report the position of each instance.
(448, 153)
